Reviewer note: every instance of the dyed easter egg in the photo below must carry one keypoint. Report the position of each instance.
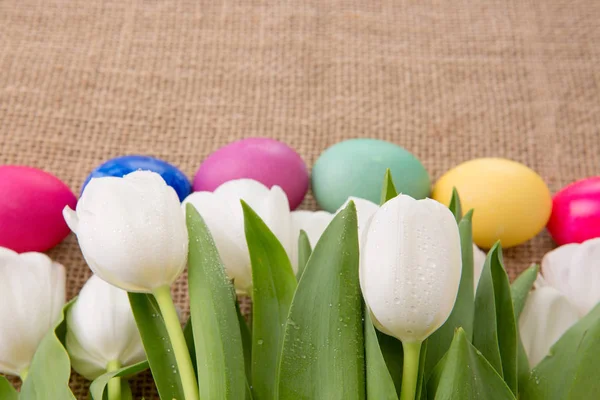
(121, 166)
(265, 160)
(31, 204)
(356, 167)
(576, 212)
(511, 202)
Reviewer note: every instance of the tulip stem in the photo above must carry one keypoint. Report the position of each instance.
(410, 372)
(114, 385)
(180, 350)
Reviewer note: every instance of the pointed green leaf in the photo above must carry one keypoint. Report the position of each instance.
(323, 350)
(388, 190)
(304, 251)
(99, 385)
(462, 313)
(7, 391)
(571, 368)
(157, 345)
(380, 384)
(495, 332)
(50, 369)
(464, 374)
(455, 205)
(274, 285)
(521, 287)
(217, 338)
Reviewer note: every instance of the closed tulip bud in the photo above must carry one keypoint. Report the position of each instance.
(101, 330)
(411, 266)
(222, 212)
(33, 295)
(131, 231)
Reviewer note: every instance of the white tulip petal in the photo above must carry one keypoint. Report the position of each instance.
(311, 222)
(131, 231)
(223, 214)
(411, 266)
(33, 294)
(101, 329)
(574, 270)
(545, 318)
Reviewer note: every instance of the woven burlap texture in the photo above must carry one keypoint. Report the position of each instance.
(82, 81)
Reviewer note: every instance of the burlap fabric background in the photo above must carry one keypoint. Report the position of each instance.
(83, 81)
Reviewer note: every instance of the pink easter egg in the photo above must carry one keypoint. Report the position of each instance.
(265, 160)
(576, 212)
(31, 204)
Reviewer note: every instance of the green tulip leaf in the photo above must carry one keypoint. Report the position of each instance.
(380, 384)
(570, 371)
(521, 287)
(464, 374)
(323, 350)
(7, 391)
(455, 205)
(50, 369)
(462, 313)
(126, 391)
(495, 333)
(388, 190)
(157, 345)
(304, 251)
(98, 388)
(274, 285)
(215, 327)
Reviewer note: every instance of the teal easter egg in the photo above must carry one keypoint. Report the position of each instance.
(357, 167)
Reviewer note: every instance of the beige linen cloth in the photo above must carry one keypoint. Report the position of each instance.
(82, 81)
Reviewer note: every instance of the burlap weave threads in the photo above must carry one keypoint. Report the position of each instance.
(85, 80)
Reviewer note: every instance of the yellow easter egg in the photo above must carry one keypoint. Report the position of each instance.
(511, 202)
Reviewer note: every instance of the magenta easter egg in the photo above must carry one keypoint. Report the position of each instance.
(576, 212)
(31, 204)
(265, 160)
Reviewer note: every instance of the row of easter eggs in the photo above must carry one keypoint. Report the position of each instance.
(511, 202)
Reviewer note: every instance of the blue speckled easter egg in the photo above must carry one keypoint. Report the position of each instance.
(357, 167)
(121, 166)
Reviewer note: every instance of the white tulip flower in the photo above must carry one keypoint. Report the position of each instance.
(33, 295)
(311, 222)
(101, 331)
(222, 212)
(567, 289)
(547, 315)
(131, 231)
(315, 222)
(133, 235)
(410, 269)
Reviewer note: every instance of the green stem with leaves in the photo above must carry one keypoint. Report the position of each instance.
(180, 350)
(410, 372)
(114, 385)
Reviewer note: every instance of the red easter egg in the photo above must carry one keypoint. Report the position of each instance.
(576, 212)
(31, 204)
